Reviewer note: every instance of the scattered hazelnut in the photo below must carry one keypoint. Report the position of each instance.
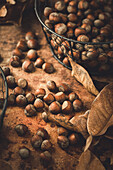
(46, 145)
(60, 97)
(6, 70)
(67, 107)
(36, 141)
(22, 45)
(32, 54)
(48, 68)
(21, 129)
(39, 62)
(60, 5)
(55, 107)
(29, 35)
(63, 142)
(11, 81)
(40, 93)
(42, 132)
(21, 100)
(63, 87)
(48, 98)
(22, 83)
(30, 98)
(77, 105)
(62, 131)
(60, 28)
(24, 152)
(11, 99)
(32, 44)
(45, 157)
(18, 90)
(30, 110)
(44, 116)
(73, 96)
(47, 11)
(28, 66)
(17, 52)
(39, 104)
(51, 85)
(73, 138)
(15, 61)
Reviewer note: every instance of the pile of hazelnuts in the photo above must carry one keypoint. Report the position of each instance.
(25, 55)
(87, 21)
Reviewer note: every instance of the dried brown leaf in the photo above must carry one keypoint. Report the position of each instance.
(11, 1)
(88, 143)
(88, 161)
(82, 76)
(101, 113)
(3, 11)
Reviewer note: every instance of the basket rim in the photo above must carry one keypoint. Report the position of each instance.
(65, 38)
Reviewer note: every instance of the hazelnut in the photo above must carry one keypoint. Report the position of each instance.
(11, 99)
(30, 98)
(100, 38)
(48, 68)
(15, 61)
(51, 85)
(102, 17)
(39, 62)
(32, 54)
(49, 98)
(77, 105)
(21, 129)
(92, 53)
(67, 107)
(73, 3)
(60, 6)
(48, 24)
(73, 96)
(87, 21)
(60, 97)
(45, 157)
(60, 28)
(29, 35)
(79, 31)
(79, 47)
(36, 141)
(61, 50)
(95, 31)
(66, 61)
(98, 23)
(18, 90)
(84, 56)
(75, 54)
(24, 152)
(32, 44)
(62, 131)
(55, 107)
(73, 138)
(21, 100)
(71, 9)
(17, 52)
(63, 142)
(71, 25)
(11, 81)
(63, 17)
(54, 17)
(91, 17)
(63, 87)
(83, 38)
(44, 116)
(30, 110)
(22, 83)
(46, 145)
(42, 132)
(70, 33)
(6, 70)
(22, 45)
(87, 27)
(47, 11)
(40, 93)
(28, 66)
(72, 17)
(83, 5)
(39, 104)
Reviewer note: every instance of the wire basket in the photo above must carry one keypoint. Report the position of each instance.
(96, 56)
(3, 96)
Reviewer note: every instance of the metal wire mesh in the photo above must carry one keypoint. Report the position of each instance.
(96, 57)
(3, 96)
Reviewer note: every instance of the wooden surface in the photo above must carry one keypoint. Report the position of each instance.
(10, 142)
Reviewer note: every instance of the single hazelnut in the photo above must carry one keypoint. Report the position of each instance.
(29, 35)
(30, 110)
(11, 99)
(73, 96)
(54, 44)
(87, 21)
(21, 129)
(42, 132)
(45, 157)
(79, 31)
(54, 17)
(63, 142)
(60, 97)
(22, 45)
(48, 24)
(98, 23)
(22, 83)
(30, 98)
(6, 70)
(51, 85)
(18, 90)
(67, 107)
(32, 44)
(71, 9)
(44, 116)
(87, 27)
(46, 145)
(83, 5)
(60, 28)
(73, 3)
(91, 17)
(15, 61)
(71, 25)
(92, 53)
(79, 47)
(28, 66)
(47, 11)
(36, 141)
(75, 54)
(39, 62)
(55, 107)
(100, 38)
(21, 100)
(48, 68)
(66, 61)
(60, 6)
(32, 54)
(84, 56)
(24, 152)
(102, 17)
(63, 17)
(62, 131)
(39, 104)
(83, 38)
(17, 52)
(48, 98)
(73, 138)
(70, 33)
(11, 81)
(77, 105)
(72, 17)
(63, 87)
(40, 93)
